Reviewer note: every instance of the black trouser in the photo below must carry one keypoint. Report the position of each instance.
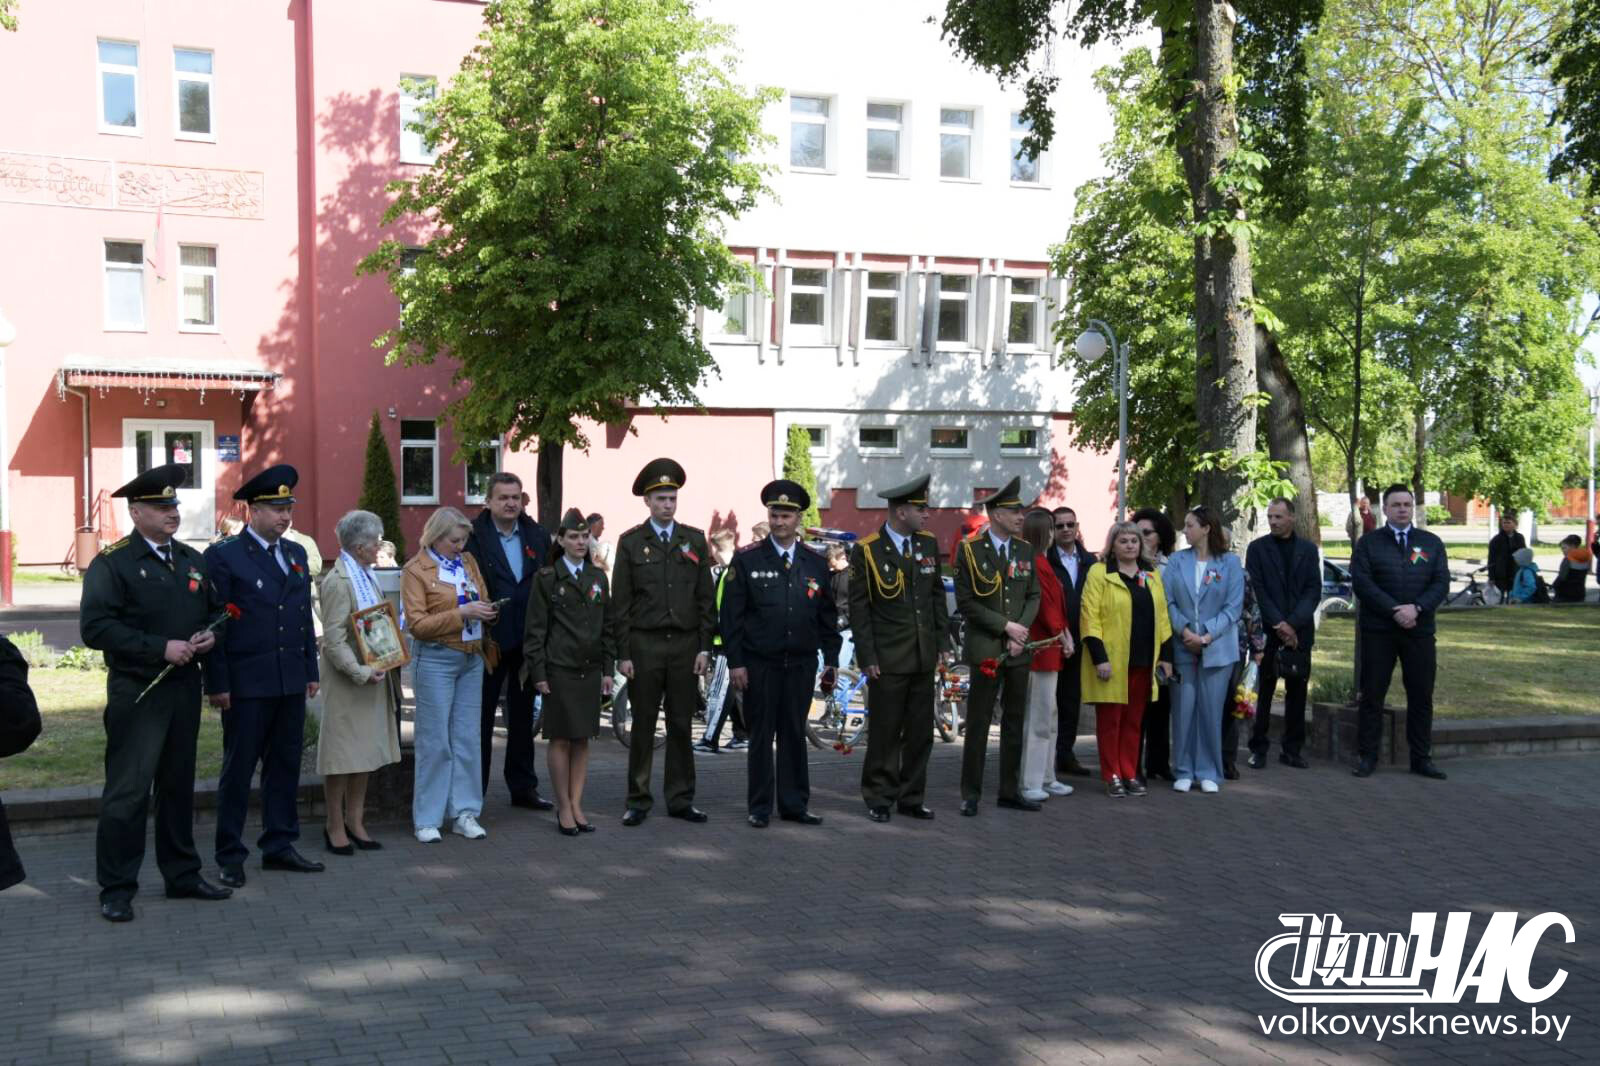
(269, 731)
(899, 739)
(1415, 651)
(1294, 705)
(1069, 706)
(663, 670)
(148, 745)
(1155, 732)
(776, 704)
(11, 872)
(1010, 683)
(522, 779)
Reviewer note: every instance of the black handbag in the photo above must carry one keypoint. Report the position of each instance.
(1293, 664)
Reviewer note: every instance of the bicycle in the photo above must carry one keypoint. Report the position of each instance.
(1473, 593)
(838, 719)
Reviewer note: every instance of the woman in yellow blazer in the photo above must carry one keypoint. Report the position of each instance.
(1128, 636)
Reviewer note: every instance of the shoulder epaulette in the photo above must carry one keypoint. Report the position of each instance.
(543, 570)
(225, 540)
(974, 538)
(631, 530)
(114, 545)
(692, 529)
(868, 539)
(752, 546)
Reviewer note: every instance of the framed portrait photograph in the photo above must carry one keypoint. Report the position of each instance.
(377, 634)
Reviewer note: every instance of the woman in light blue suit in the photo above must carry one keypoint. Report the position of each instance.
(1205, 596)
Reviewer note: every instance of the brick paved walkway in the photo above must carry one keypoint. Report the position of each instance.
(1099, 931)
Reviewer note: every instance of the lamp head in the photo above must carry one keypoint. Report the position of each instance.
(1090, 345)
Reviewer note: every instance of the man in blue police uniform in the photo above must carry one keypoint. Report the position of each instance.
(777, 613)
(147, 605)
(262, 676)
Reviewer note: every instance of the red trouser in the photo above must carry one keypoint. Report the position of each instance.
(1116, 728)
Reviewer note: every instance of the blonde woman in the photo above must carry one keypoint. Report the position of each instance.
(446, 615)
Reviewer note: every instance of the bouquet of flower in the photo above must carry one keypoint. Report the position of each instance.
(991, 667)
(1245, 695)
(229, 613)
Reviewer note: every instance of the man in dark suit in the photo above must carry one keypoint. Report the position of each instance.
(510, 548)
(1401, 577)
(262, 675)
(997, 593)
(1503, 547)
(1287, 579)
(19, 727)
(777, 614)
(1071, 563)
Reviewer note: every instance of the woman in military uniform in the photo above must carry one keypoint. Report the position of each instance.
(569, 651)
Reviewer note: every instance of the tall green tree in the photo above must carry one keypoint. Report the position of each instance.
(797, 468)
(8, 15)
(589, 155)
(380, 489)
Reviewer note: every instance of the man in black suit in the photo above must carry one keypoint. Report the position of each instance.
(510, 548)
(1285, 575)
(1071, 564)
(1401, 577)
(1503, 547)
(19, 727)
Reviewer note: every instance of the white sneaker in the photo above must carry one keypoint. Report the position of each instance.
(468, 827)
(1209, 786)
(1056, 788)
(1036, 795)
(1182, 784)
(427, 834)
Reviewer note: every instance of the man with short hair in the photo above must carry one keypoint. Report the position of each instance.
(1070, 562)
(1287, 580)
(510, 548)
(1401, 577)
(1503, 547)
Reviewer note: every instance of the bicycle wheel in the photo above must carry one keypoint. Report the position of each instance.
(621, 708)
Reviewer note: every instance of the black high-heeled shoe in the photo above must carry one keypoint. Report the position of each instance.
(585, 827)
(348, 849)
(563, 830)
(363, 844)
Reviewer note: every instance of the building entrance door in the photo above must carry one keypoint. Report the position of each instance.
(192, 445)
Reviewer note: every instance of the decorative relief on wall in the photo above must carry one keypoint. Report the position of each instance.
(66, 181)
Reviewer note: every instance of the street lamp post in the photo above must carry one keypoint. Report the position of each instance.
(1594, 416)
(8, 333)
(1091, 346)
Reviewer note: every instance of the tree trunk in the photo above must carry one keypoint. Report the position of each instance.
(547, 483)
(1419, 461)
(1286, 430)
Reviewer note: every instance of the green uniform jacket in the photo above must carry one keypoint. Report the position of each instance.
(571, 624)
(132, 605)
(663, 586)
(991, 591)
(898, 617)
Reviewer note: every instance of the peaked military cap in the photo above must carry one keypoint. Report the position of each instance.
(1008, 495)
(159, 484)
(912, 492)
(659, 474)
(574, 522)
(275, 484)
(786, 495)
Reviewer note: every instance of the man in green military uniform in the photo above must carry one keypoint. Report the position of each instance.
(901, 626)
(665, 616)
(997, 593)
(147, 604)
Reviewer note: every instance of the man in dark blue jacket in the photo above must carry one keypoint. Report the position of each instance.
(261, 676)
(1401, 577)
(510, 548)
(1286, 576)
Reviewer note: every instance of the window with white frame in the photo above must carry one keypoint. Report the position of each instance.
(415, 91)
(117, 76)
(808, 132)
(419, 461)
(878, 440)
(884, 289)
(1025, 319)
(949, 440)
(885, 130)
(124, 271)
(955, 142)
(1025, 168)
(1020, 440)
(191, 82)
(737, 317)
(810, 305)
(197, 287)
(817, 439)
(482, 465)
(957, 293)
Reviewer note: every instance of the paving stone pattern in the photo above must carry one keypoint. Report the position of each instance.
(1099, 931)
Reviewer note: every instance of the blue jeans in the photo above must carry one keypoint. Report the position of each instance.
(449, 781)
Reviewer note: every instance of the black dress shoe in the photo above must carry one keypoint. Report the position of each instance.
(1427, 769)
(688, 814)
(585, 827)
(1072, 767)
(1135, 787)
(1294, 760)
(1230, 772)
(634, 816)
(201, 889)
(969, 808)
(232, 876)
(1364, 767)
(1018, 804)
(327, 842)
(1161, 773)
(918, 812)
(878, 814)
(291, 860)
(117, 910)
(1257, 760)
(566, 830)
(804, 818)
(757, 821)
(532, 801)
(364, 845)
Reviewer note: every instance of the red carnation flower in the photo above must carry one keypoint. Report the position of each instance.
(233, 611)
(989, 667)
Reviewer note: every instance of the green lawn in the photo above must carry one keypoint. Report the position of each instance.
(1493, 662)
(71, 750)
